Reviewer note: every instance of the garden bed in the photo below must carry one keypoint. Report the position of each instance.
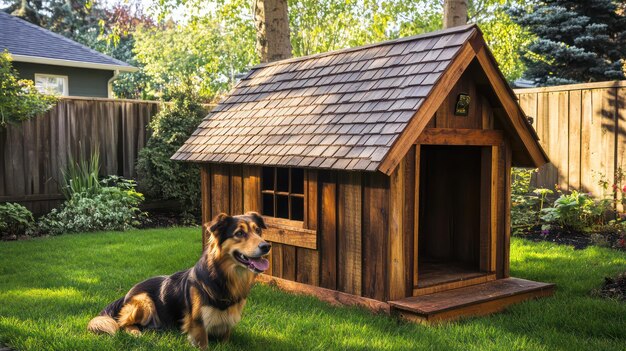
(611, 239)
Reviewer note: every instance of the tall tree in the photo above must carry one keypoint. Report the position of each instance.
(272, 24)
(576, 40)
(454, 13)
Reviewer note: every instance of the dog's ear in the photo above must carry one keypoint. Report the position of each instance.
(257, 218)
(220, 223)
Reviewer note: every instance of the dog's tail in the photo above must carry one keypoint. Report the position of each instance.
(105, 322)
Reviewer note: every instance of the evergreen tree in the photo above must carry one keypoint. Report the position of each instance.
(576, 41)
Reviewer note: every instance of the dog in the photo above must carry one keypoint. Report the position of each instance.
(205, 300)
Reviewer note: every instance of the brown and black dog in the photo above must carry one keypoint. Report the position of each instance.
(205, 300)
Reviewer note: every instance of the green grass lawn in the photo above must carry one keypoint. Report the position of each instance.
(51, 287)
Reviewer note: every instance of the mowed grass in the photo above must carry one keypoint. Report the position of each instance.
(51, 287)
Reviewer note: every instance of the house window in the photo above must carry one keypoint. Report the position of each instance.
(283, 193)
(51, 84)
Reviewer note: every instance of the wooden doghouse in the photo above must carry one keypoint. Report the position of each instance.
(383, 172)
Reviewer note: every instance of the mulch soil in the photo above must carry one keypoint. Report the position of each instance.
(162, 218)
(578, 240)
(613, 288)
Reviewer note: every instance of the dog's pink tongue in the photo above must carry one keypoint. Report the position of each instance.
(260, 263)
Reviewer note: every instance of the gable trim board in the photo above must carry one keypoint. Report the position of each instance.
(312, 112)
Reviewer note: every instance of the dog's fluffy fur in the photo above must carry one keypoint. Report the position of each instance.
(205, 300)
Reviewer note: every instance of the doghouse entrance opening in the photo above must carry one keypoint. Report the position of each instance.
(449, 214)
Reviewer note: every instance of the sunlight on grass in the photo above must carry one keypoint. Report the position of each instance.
(51, 287)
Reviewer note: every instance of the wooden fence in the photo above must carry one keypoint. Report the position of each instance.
(33, 153)
(582, 127)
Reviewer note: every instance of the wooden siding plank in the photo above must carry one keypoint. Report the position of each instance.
(349, 242)
(308, 269)
(251, 188)
(220, 189)
(328, 230)
(375, 227)
(236, 189)
(289, 262)
(205, 187)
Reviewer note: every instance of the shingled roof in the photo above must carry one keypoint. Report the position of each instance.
(338, 110)
(30, 43)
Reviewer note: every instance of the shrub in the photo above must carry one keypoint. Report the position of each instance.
(526, 205)
(576, 211)
(161, 177)
(114, 206)
(81, 176)
(19, 99)
(15, 220)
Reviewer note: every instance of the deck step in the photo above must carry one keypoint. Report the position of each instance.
(472, 300)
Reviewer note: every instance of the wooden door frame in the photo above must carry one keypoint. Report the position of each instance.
(492, 143)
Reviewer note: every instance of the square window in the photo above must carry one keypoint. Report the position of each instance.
(283, 193)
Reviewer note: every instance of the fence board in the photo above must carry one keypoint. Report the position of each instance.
(582, 128)
(33, 153)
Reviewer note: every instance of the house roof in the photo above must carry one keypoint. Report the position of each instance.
(30, 43)
(343, 110)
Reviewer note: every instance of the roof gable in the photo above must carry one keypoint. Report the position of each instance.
(354, 109)
(30, 43)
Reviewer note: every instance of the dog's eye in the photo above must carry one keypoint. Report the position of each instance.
(240, 234)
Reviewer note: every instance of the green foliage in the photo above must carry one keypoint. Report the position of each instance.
(159, 176)
(15, 219)
(576, 211)
(526, 204)
(505, 38)
(575, 40)
(81, 176)
(207, 53)
(19, 99)
(114, 206)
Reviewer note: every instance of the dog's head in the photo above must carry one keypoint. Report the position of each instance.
(239, 239)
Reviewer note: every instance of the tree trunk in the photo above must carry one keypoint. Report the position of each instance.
(272, 24)
(454, 13)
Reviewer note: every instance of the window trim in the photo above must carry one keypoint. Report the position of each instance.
(66, 87)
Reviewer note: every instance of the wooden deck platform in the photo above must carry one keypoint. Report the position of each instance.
(472, 300)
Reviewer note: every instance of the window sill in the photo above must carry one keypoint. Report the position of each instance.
(288, 232)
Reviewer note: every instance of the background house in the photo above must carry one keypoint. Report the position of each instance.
(56, 63)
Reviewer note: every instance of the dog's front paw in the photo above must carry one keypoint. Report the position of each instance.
(201, 344)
